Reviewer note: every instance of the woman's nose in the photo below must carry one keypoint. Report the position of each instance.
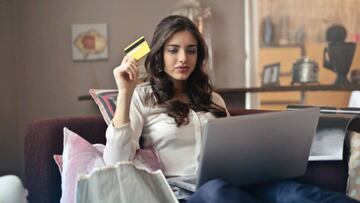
(182, 56)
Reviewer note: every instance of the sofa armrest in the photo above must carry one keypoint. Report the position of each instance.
(43, 139)
(329, 175)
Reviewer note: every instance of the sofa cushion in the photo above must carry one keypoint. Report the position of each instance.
(353, 187)
(78, 157)
(106, 101)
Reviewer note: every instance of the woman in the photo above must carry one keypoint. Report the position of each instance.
(170, 109)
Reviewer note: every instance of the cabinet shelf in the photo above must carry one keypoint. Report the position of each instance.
(235, 97)
(348, 87)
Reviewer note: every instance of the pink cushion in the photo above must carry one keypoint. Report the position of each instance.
(79, 157)
(58, 161)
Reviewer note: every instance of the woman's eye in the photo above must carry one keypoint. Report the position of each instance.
(172, 50)
(192, 51)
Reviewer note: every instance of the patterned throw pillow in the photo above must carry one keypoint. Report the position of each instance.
(106, 101)
(353, 186)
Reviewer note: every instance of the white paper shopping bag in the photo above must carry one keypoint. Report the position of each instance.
(124, 183)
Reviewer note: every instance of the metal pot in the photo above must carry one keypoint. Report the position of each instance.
(305, 70)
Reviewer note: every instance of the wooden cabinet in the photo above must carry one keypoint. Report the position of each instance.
(287, 56)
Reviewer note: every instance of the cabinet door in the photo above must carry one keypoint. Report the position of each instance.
(286, 56)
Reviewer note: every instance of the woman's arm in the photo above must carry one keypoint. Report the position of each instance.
(123, 141)
(122, 136)
(122, 111)
(125, 77)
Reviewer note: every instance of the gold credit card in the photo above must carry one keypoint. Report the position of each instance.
(138, 49)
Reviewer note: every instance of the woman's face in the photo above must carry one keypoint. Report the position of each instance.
(180, 55)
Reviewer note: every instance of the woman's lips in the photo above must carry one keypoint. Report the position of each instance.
(182, 69)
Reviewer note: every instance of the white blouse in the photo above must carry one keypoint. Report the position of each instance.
(178, 147)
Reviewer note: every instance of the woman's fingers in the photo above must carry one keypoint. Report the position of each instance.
(129, 58)
(129, 66)
(134, 71)
(124, 60)
(130, 69)
(130, 74)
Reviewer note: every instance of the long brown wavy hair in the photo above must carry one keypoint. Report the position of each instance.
(197, 88)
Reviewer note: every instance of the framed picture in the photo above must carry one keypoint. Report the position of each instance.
(89, 41)
(270, 75)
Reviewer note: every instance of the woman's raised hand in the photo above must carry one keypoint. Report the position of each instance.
(126, 75)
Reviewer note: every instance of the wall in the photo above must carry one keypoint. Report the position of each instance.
(229, 43)
(9, 155)
(48, 82)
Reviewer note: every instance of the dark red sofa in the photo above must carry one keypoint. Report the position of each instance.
(45, 138)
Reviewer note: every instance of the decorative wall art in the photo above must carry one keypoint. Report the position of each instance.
(89, 41)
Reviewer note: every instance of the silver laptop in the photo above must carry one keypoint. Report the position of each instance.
(249, 149)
